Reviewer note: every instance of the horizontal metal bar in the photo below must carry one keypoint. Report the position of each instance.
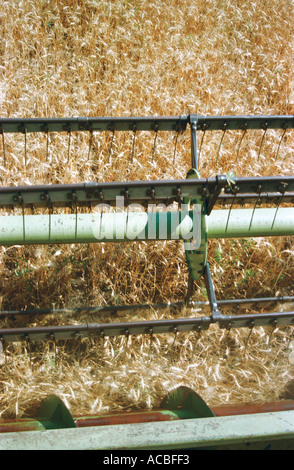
(76, 124)
(152, 192)
(251, 199)
(173, 326)
(204, 190)
(261, 184)
(173, 306)
(256, 319)
(213, 123)
(265, 430)
(152, 123)
(112, 310)
(103, 329)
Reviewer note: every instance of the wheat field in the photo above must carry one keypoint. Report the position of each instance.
(136, 58)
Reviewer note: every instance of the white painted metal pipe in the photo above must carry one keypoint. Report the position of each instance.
(106, 227)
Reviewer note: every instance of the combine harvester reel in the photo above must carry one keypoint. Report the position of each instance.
(214, 207)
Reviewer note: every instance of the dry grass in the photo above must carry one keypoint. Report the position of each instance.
(98, 58)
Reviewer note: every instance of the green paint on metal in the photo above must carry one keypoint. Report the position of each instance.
(186, 402)
(196, 256)
(53, 414)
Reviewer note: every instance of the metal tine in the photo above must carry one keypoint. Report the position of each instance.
(151, 342)
(103, 345)
(251, 326)
(133, 142)
(282, 190)
(274, 219)
(290, 337)
(193, 137)
(25, 152)
(90, 143)
(28, 343)
(69, 144)
(199, 332)
(77, 338)
(201, 143)
(111, 145)
(2, 351)
(154, 142)
(231, 206)
(175, 331)
(274, 328)
(23, 222)
(278, 149)
(74, 210)
(53, 339)
(127, 336)
(110, 342)
(221, 141)
(100, 221)
(47, 145)
(256, 203)
(175, 147)
(262, 140)
(229, 214)
(240, 142)
(50, 210)
(50, 221)
(3, 148)
(228, 328)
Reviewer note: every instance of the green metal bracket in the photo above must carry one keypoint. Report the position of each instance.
(185, 400)
(196, 259)
(53, 414)
(180, 403)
